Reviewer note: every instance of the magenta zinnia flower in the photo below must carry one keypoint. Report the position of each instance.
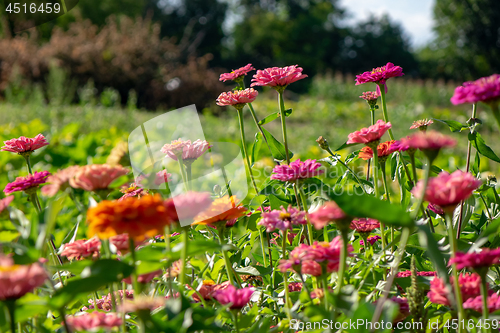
(278, 76)
(237, 298)
(297, 170)
(485, 89)
(28, 183)
(81, 248)
(369, 134)
(236, 74)
(476, 303)
(190, 150)
(294, 286)
(470, 287)
(403, 274)
(96, 176)
(93, 321)
(144, 278)
(370, 96)
(476, 260)
(237, 98)
(283, 219)
(17, 280)
(372, 240)
(25, 145)
(380, 75)
(447, 190)
(364, 225)
(59, 181)
(329, 212)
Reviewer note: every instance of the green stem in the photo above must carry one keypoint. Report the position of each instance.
(484, 294)
(28, 162)
(106, 246)
(185, 240)
(384, 109)
(285, 276)
(235, 316)
(11, 307)
(261, 236)
(252, 112)
(342, 263)
(456, 285)
(135, 284)
(372, 111)
(496, 113)
(183, 171)
(414, 168)
(306, 209)
(376, 165)
(247, 158)
(420, 202)
(167, 251)
(63, 318)
(188, 175)
(229, 267)
(347, 167)
(384, 179)
(283, 124)
(326, 292)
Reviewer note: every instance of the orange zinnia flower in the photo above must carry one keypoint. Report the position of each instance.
(140, 218)
(384, 150)
(221, 210)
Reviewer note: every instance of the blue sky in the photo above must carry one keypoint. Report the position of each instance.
(414, 15)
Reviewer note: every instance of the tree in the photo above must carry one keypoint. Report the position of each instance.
(467, 45)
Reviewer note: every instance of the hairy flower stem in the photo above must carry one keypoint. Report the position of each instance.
(11, 307)
(306, 209)
(188, 175)
(285, 276)
(484, 295)
(456, 285)
(342, 263)
(247, 158)
(135, 283)
(348, 168)
(185, 240)
(376, 165)
(467, 167)
(386, 187)
(28, 162)
(283, 123)
(254, 116)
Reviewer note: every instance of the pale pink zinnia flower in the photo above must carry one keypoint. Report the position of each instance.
(24, 145)
(5, 202)
(162, 177)
(421, 124)
(278, 76)
(369, 134)
(485, 89)
(380, 75)
(208, 289)
(470, 287)
(142, 303)
(96, 176)
(94, 321)
(237, 98)
(105, 303)
(476, 260)
(28, 184)
(237, 298)
(236, 74)
(283, 219)
(329, 212)
(59, 181)
(188, 205)
(297, 170)
(120, 243)
(370, 96)
(81, 249)
(17, 280)
(190, 150)
(447, 190)
(430, 140)
(476, 303)
(364, 225)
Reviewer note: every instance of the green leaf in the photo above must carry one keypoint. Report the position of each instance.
(478, 143)
(276, 203)
(346, 145)
(118, 182)
(454, 126)
(428, 241)
(277, 149)
(255, 270)
(254, 152)
(274, 116)
(368, 206)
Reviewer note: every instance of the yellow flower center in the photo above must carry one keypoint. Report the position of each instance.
(285, 216)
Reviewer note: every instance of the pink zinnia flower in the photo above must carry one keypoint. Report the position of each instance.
(470, 287)
(162, 177)
(25, 145)
(329, 212)
(94, 321)
(236, 74)
(59, 181)
(278, 76)
(238, 298)
(364, 225)
(81, 249)
(208, 289)
(144, 278)
(370, 96)
(404, 308)
(372, 240)
(294, 286)
(370, 134)
(142, 303)
(283, 219)
(485, 89)
(190, 150)
(188, 205)
(447, 190)
(5, 202)
(476, 303)
(407, 273)
(384, 149)
(380, 75)
(421, 124)
(436, 209)
(237, 98)
(18, 280)
(430, 140)
(476, 260)
(96, 176)
(28, 183)
(132, 191)
(120, 242)
(297, 170)
(400, 145)
(104, 303)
